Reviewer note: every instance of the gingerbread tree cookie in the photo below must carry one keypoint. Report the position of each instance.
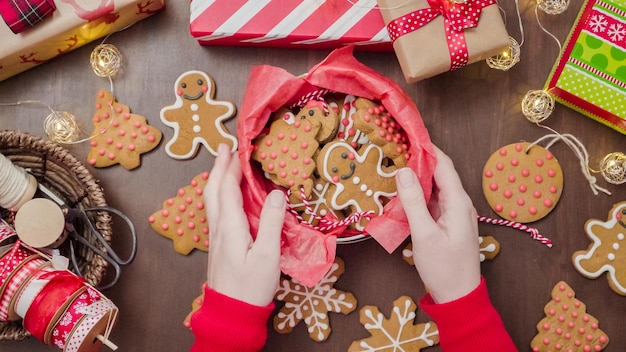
(567, 326)
(195, 306)
(607, 252)
(286, 151)
(381, 129)
(183, 218)
(119, 137)
(196, 117)
(396, 333)
(312, 304)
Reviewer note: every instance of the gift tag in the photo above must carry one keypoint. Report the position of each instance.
(522, 182)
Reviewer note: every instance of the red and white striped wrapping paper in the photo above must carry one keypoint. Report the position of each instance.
(307, 24)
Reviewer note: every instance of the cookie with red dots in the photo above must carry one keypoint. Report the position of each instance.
(381, 129)
(195, 306)
(607, 251)
(522, 182)
(119, 137)
(286, 151)
(344, 107)
(183, 218)
(567, 326)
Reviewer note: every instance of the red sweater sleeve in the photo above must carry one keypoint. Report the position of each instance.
(226, 324)
(469, 323)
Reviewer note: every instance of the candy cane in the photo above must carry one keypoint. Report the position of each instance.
(534, 233)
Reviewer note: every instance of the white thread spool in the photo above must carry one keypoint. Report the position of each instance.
(40, 223)
(16, 185)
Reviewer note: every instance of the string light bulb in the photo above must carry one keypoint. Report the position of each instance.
(537, 105)
(61, 127)
(613, 168)
(553, 7)
(507, 58)
(106, 60)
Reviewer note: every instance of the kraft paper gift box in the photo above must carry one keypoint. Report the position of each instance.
(424, 52)
(73, 24)
(590, 74)
(306, 24)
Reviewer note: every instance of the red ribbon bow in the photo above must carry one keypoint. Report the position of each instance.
(457, 17)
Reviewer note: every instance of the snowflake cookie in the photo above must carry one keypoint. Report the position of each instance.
(312, 304)
(607, 252)
(396, 333)
(567, 326)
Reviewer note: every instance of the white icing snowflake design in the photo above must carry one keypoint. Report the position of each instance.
(598, 23)
(616, 32)
(312, 304)
(398, 333)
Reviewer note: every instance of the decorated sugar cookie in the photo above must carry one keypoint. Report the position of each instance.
(607, 251)
(567, 326)
(362, 181)
(318, 203)
(286, 151)
(197, 119)
(396, 333)
(522, 183)
(312, 304)
(183, 217)
(119, 137)
(345, 108)
(380, 128)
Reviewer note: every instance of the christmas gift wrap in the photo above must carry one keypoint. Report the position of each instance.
(434, 36)
(74, 23)
(590, 74)
(307, 24)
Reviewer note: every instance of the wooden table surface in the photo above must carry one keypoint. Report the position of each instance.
(469, 113)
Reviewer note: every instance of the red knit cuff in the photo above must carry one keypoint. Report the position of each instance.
(469, 323)
(226, 324)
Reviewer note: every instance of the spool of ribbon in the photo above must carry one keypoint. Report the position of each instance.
(16, 185)
(40, 223)
(13, 284)
(54, 296)
(21, 15)
(457, 18)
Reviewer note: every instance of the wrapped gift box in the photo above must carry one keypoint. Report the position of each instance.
(425, 52)
(590, 74)
(73, 24)
(308, 24)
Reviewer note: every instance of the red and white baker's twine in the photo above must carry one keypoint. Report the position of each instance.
(326, 225)
(316, 95)
(534, 233)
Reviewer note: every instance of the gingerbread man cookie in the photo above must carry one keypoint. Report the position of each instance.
(522, 183)
(379, 126)
(607, 252)
(286, 151)
(119, 137)
(196, 117)
(361, 180)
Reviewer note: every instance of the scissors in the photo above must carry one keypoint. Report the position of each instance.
(72, 215)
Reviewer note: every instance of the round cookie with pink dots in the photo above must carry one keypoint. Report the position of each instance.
(522, 182)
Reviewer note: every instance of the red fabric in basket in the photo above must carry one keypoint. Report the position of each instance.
(307, 254)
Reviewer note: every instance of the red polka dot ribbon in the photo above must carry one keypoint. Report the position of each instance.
(457, 18)
(21, 15)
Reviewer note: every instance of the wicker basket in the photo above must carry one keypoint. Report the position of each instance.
(54, 167)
